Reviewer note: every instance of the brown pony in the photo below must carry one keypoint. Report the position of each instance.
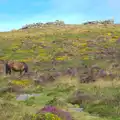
(16, 66)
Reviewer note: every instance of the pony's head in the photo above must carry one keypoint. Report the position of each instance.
(25, 67)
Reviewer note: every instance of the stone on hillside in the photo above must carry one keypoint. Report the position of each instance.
(77, 109)
(23, 97)
(78, 97)
(102, 73)
(57, 74)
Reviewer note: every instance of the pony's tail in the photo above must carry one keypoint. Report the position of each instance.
(26, 67)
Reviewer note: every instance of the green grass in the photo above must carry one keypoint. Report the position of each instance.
(106, 108)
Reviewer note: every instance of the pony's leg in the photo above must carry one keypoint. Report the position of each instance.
(6, 74)
(21, 73)
(10, 72)
(6, 71)
(25, 71)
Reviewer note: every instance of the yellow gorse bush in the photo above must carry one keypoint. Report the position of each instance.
(43, 57)
(23, 51)
(26, 60)
(5, 57)
(62, 58)
(109, 34)
(116, 37)
(83, 50)
(21, 82)
(83, 44)
(85, 58)
(112, 40)
(50, 116)
(47, 116)
(75, 43)
(60, 49)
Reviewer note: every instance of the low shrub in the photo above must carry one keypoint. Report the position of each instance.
(41, 116)
(60, 113)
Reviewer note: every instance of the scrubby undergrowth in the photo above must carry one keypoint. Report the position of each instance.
(50, 51)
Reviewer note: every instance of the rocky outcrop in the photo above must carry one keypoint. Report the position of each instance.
(100, 22)
(39, 24)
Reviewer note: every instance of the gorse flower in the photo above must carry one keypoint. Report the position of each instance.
(86, 58)
(83, 44)
(45, 116)
(22, 82)
(112, 40)
(51, 116)
(62, 58)
(109, 34)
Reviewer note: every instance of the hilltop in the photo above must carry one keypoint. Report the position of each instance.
(65, 50)
(40, 24)
(61, 23)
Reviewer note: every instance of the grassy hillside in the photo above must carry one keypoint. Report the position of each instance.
(67, 46)
(65, 43)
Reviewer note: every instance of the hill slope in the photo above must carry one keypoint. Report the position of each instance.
(59, 48)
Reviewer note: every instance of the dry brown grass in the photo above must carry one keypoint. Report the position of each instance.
(103, 83)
